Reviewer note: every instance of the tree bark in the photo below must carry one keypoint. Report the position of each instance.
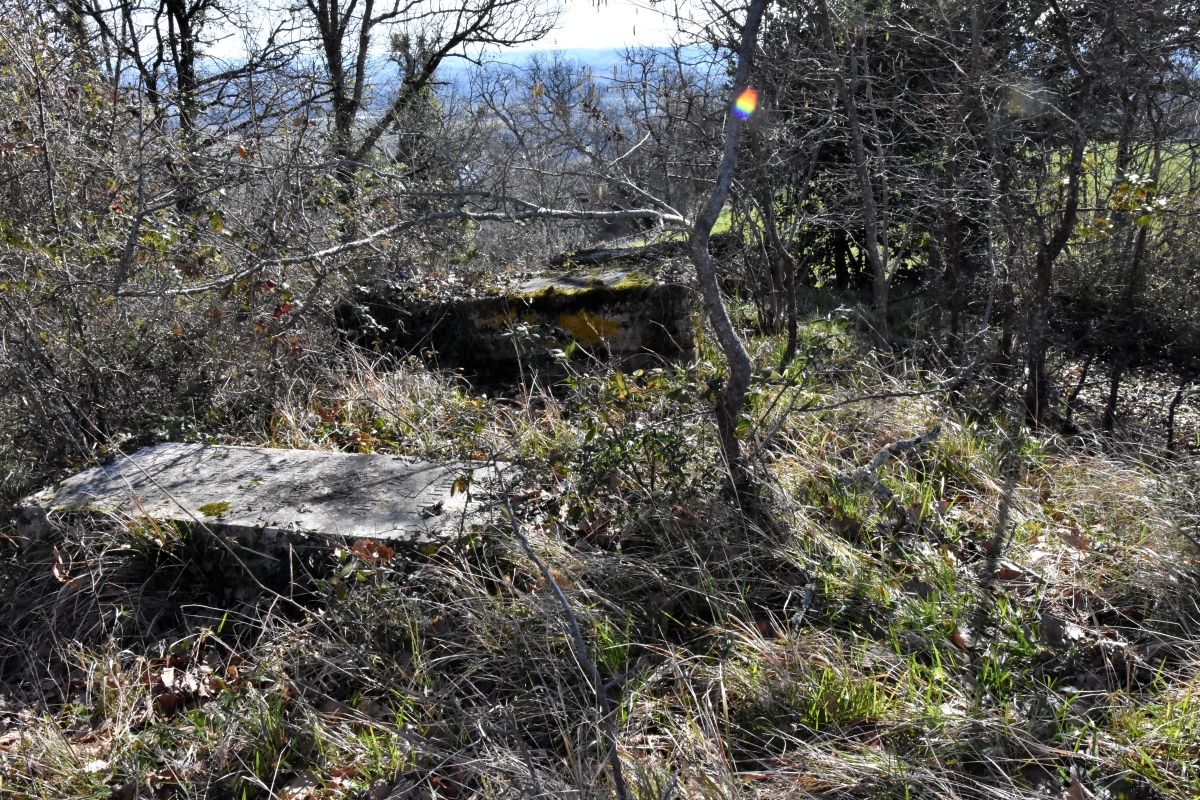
(1180, 393)
(1037, 385)
(731, 398)
(1109, 418)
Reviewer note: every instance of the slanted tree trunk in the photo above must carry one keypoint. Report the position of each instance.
(1074, 395)
(1180, 393)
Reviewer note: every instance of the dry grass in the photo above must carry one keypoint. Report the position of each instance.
(821, 652)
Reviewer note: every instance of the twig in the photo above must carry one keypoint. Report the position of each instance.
(1191, 537)
(870, 473)
(581, 649)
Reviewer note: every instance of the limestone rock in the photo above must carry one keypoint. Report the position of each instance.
(273, 498)
(616, 313)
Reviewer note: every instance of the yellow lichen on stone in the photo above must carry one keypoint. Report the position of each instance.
(589, 329)
(585, 282)
(632, 281)
(504, 321)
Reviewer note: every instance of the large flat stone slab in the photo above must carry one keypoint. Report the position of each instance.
(271, 496)
(617, 313)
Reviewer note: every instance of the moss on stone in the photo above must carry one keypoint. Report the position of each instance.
(632, 281)
(587, 281)
(618, 312)
(214, 509)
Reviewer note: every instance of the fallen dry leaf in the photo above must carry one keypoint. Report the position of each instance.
(1060, 633)
(685, 516)
(59, 568)
(344, 773)
(126, 791)
(334, 709)
(168, 702)
(1077, 791)
(1075, 539)
(189, 683)
(445, 787)
(373, 552)
(846, 526)
(1008, 571)
(301, 786)
(379, 790)
(963, 638)
(162, 776)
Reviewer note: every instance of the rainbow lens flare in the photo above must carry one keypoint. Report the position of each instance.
(745, 104)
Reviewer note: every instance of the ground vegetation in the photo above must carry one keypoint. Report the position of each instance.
(918, 520)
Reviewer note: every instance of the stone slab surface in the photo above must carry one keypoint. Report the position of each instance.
(576, 281)
(274, 491)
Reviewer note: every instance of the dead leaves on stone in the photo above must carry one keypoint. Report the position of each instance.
(372, 552)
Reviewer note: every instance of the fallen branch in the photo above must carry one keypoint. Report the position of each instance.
(399, 227)
(605, 255)
(869, 473)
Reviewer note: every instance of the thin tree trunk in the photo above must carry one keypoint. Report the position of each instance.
(876, 256)
(1180, 393)
(1109, 418)
(1037, 384)
(1074, 395)
(732, 396)
(784, 266)
(841, 269)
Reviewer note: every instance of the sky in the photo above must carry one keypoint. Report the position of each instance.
(583, 25)
(616, 23)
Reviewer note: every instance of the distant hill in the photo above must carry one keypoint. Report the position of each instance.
(598, 58)
(601, 60)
